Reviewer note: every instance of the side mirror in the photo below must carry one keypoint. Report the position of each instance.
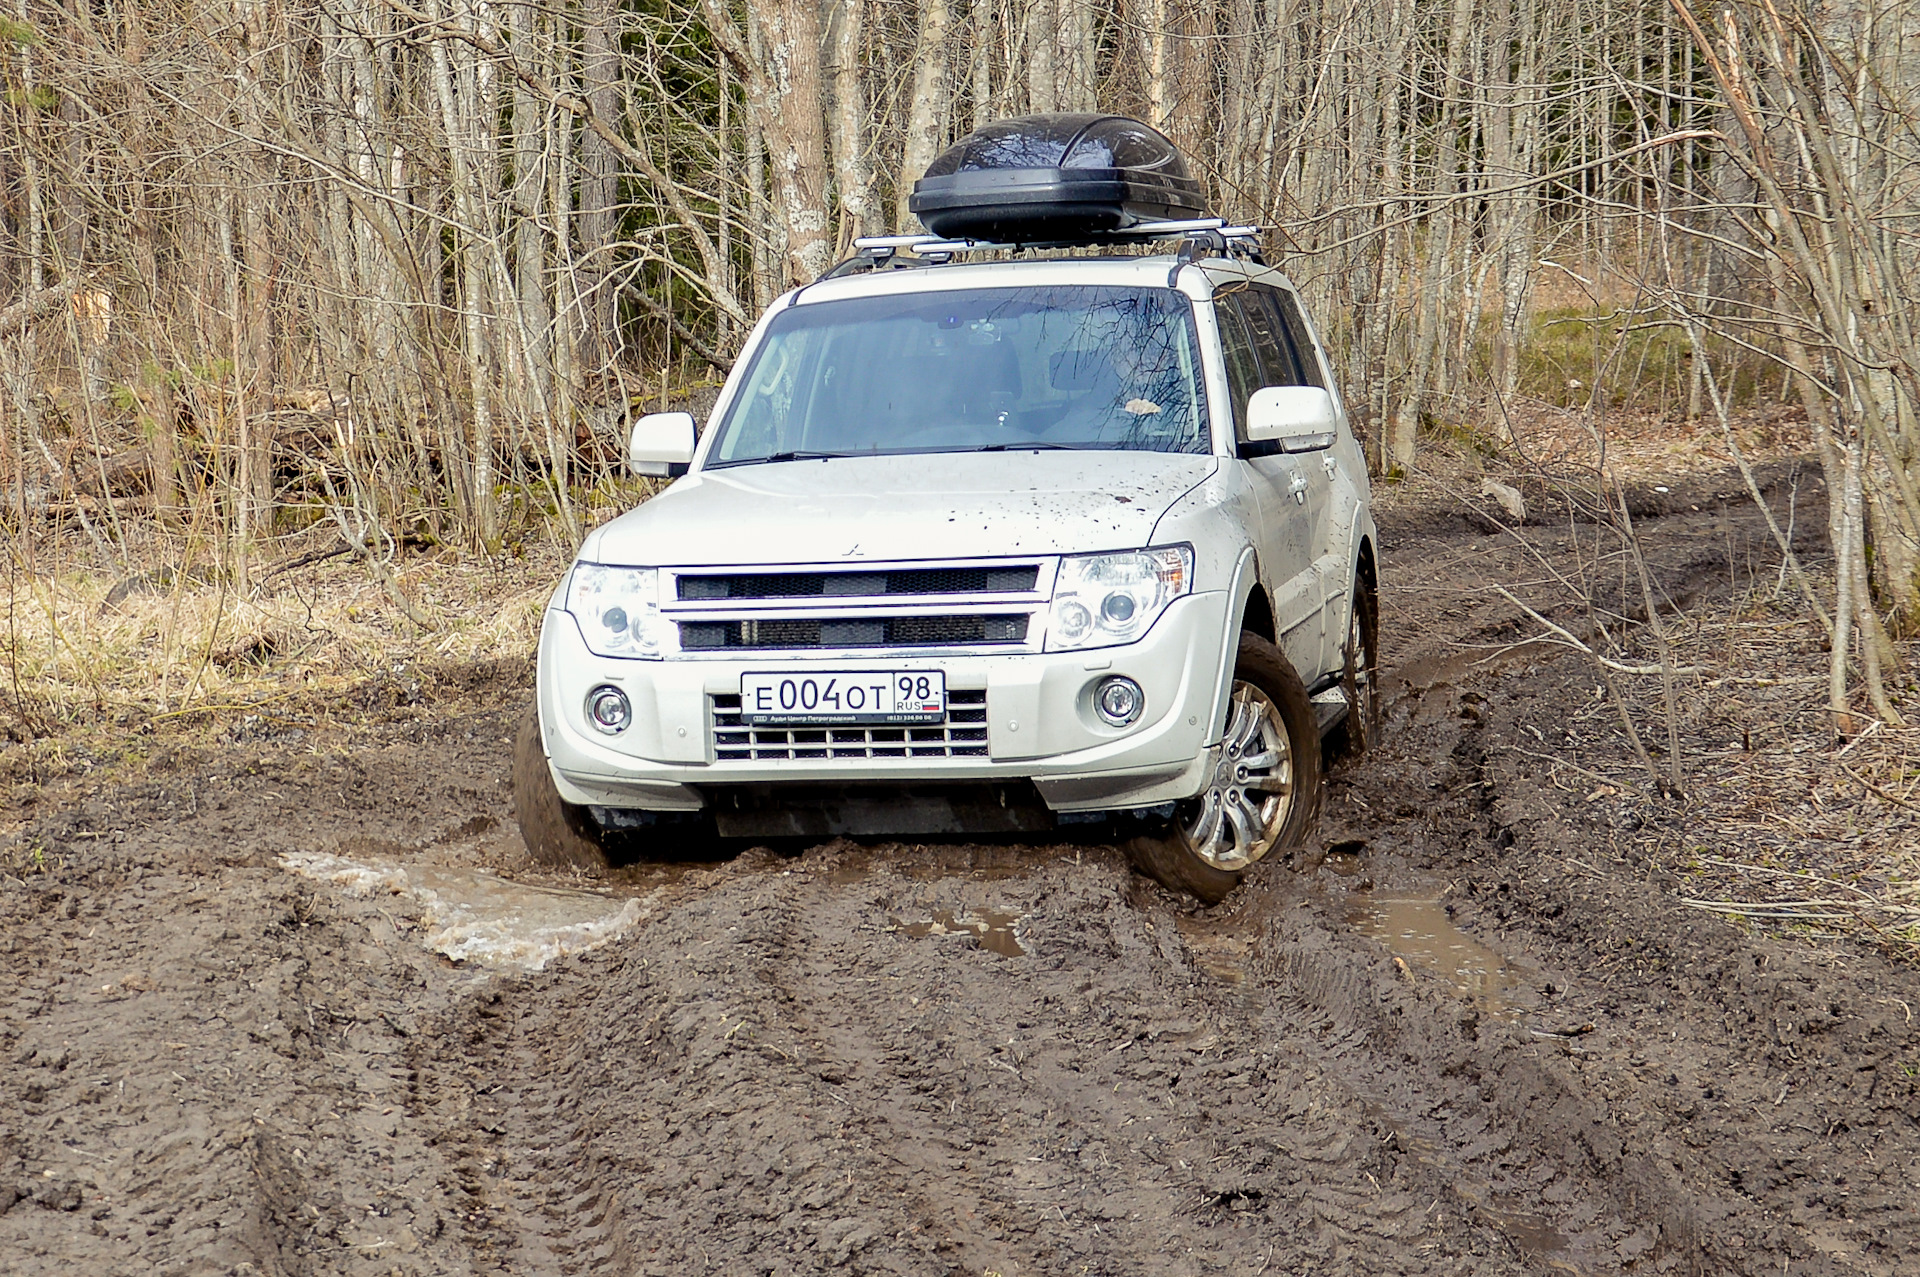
(661, 444)
(1291, 419)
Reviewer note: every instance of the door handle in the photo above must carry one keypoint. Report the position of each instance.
(1297, 488)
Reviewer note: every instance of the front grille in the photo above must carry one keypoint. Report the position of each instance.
(801, 585)
(963, 735)
(876, 631)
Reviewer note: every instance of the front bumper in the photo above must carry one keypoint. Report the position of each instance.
(1040, 721)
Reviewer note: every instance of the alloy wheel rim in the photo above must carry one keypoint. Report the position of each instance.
(1361, 689)
(1237, 819)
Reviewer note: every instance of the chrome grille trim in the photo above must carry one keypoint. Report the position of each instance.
(963, 735)
(805, 633)
(884, 582)
(965, 606)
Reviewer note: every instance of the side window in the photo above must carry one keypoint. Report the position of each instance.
(1297, 333)
(1270, 337)
(1243, 365)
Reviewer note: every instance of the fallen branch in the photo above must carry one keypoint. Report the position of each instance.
(1661, 785)
(357, 543)
(1721, 863)
(306, 560)
(1896, 801)
(1784, 911)
(1566, 639)
(1558, 761)
(660, 311)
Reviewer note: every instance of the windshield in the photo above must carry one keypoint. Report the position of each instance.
(975, 370)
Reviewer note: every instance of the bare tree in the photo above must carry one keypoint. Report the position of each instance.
(431, 251)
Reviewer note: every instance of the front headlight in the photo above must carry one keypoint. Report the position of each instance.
(1103, 599)
(618, 609)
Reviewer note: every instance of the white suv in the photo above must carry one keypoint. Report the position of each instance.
(978, 546)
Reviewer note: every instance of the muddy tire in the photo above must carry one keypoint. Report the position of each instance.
(557, 832)
(1355, 734)
(1265, 793)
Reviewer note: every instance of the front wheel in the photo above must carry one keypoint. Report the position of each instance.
(557, 832)
(1263, 793)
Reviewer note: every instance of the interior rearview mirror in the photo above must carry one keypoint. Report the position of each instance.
(1295, 418)
(661, 444)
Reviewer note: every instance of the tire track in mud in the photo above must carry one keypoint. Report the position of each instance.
(1519, 1148)
(1728, 1076)
(1774, 1081)
(190, 1080)
(774, 1073)
(207, 1058)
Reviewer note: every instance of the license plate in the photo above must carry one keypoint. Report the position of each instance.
(829, 698)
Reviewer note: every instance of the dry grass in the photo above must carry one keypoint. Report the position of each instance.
(123, 670)
(1784, 824)
(84, 644)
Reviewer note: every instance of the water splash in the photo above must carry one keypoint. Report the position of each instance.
(472, 916)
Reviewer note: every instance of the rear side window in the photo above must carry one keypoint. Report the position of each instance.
(1270, 337)
(1294, 325)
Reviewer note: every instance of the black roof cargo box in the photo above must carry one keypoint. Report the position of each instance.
(1055, 179)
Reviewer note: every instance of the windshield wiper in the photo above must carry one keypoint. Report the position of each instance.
(798, 454)
(1036, 445)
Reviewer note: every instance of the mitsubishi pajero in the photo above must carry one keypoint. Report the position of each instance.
(1007, 528)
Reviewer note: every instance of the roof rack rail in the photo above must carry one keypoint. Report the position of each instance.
(1200, 232)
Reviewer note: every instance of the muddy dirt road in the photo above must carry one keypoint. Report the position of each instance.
(1470, 1031)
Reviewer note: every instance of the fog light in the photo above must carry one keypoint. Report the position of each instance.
(1119, 700)
(609, 710)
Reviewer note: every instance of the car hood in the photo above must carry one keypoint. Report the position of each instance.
(946, 505)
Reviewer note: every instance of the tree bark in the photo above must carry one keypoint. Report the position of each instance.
(1430, 305)
(597, 212)
(1043, 44)
(784, 94)
(853, 174)
(927, 116)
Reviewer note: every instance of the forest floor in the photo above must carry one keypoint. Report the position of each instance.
(1514, 1010)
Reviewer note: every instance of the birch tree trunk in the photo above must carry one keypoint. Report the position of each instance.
(1190, 114)
(984, 15)
(783, 88)
(535, 336)
(1430, 306)
(852, 172)
(597, 212)
(1079, 54)
(456, 84)
(927, 117)
(253, 372)
(1043, 44)
(1511, 137)
(759, 213)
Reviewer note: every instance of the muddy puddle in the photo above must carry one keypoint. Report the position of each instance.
(1417, 930)
(993, 928)
(1414, 927)
(473, 916)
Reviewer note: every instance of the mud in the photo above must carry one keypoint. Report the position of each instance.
(273, 1008)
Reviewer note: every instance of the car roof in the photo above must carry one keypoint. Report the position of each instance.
(1138, 272)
